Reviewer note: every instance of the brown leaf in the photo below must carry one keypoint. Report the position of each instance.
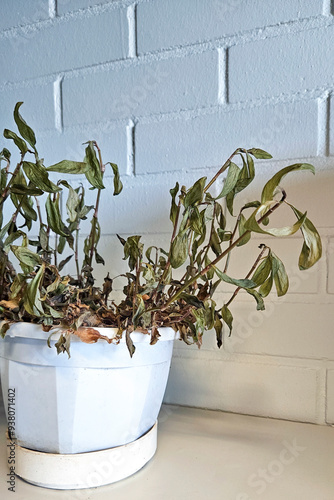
(12, 305)
(90, 335)
(154, 335)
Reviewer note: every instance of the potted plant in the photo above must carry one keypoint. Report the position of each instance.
(43, 307)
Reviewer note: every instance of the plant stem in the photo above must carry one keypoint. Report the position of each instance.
(207, 248)
(76, 252)
(231, 241)
(221, 256)
(171, 241)
(237, 290)
(95, 214)
(38, 211)
(223, 168)
(16, 171)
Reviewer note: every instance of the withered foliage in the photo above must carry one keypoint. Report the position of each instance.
(201, 245)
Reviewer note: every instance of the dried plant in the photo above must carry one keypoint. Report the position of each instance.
(153, 297)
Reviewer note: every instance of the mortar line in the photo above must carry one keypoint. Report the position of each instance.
(52, 9)
(223, 75)
(58, 103)
(323, 125)
(327, 7)
(130, 133)
(132, 23)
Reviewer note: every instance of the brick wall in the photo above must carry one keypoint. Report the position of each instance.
(169, 89)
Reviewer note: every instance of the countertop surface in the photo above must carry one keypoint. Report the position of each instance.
(213, 455)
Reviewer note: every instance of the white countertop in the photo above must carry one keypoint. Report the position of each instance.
(213, 455)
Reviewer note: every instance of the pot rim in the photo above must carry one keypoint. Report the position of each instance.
(28, 330)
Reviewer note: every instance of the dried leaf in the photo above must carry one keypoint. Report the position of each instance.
(90, 335)
(26, 132)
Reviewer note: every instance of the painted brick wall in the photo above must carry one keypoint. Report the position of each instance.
(169, 89)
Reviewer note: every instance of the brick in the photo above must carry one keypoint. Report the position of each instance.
(281, 65)
(331, 126)
(163, 24)
(285, 130)
(143, 89)
(21, 12)
(283, 329)
(64, 6)
(331, 266)
(55, 147)
(250, 388)
(37, 108)
(39, 51)
(330, 397)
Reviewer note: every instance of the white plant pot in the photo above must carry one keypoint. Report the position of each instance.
(98, 399)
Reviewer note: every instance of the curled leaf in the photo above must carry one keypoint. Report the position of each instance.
(90, 335)
(26, 132)
(270, 187)
(312, 246)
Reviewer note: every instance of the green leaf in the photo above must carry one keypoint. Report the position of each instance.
(69, 167)
(43, 237)
(218, 326)
(195, 193)
(260, 154)
(4, 329)
(30, 190)
(53, 216)
(61, 244)
(231, 180)
(20, 143)
(266, 287)
(179, 250)
(5, 154)
(72, 203)
(11, 238)
(258, 297)
(38, 175)
(270, 187)
(211, 272)
(139, 310)
(29, 212)
(245, 177)
(192, 300)
(63, 263)
(252, 224)
(227, 317)
(280, 276)
(133, 250)
(215, 243)
(312, 246)
(196, 221)
(173, 208)
(243, 231)
(26, 256)
(251, 204)
(93, 173)
(32, 297)
(262, 271)
(54, 313)
(26, 132)
(63, 344)
(242, 283)
(118, 186)
(129, 343)
(99, 259)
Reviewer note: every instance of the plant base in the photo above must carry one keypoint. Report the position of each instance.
(84, 470)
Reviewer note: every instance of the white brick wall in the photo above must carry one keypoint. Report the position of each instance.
(169, 89)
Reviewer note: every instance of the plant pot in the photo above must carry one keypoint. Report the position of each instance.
(99, 399)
